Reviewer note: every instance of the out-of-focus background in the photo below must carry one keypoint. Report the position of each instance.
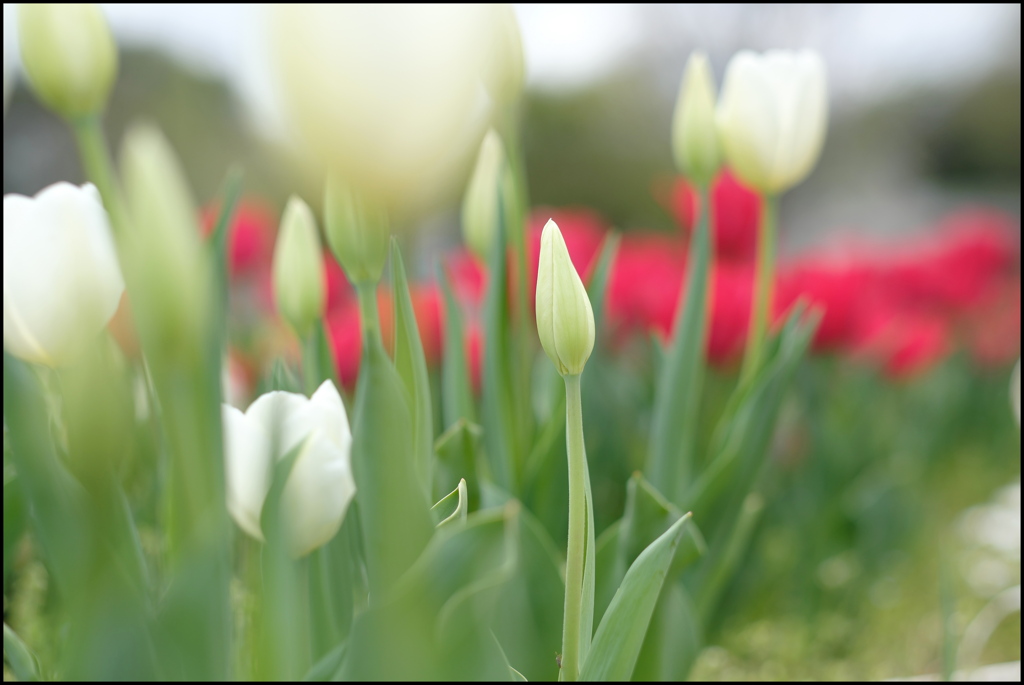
(876, 473)
(925, 105)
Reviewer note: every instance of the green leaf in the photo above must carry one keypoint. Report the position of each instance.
(498, 391)
(745, 430)
(453, 507)
(329, 666)
(282, 378)
(19, 657)
(230, 192)
(393, 507)
(621, 634)
(434, 627)
(456, 391)
(674, 639)
(412, 368)
(529, 612)
(598, 287)
(678, 389)
(457, 450)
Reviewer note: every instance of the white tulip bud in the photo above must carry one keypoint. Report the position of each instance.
(772, 117)
(320, 485)
(69, 56)
(491, 181)
(62, 282)
(694, 137)
(299, 269)
(171, 275)
(357, 231)
(565, 319)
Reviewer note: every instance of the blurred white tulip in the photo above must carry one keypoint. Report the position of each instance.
(565, 319)
(320, 485)
(69, 55)
(62, 282)
(772, 116)
(694, 138)
(298, 269)
(491, 189)
(390, 97)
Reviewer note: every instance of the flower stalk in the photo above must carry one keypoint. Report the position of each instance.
(764, 279)
(575, 555)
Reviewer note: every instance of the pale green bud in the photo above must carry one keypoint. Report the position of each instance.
(69, 56)
(491, 192)
(565, 319)
(298, 269)
(694, 137)
(169, 272)
(357, 231)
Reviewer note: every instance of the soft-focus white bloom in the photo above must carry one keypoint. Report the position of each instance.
(298, 269)
(772, 116)
(8, 82)
(392, 97)
(62, 282)
(320, 485)
(565, 319)
(694, 138)
(69, 56)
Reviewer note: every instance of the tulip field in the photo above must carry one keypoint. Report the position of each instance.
(250, 440)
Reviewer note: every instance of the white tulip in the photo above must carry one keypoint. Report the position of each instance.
(320, 485)
(565, 319)
(391, 97)
(62, 282)
(771, 117)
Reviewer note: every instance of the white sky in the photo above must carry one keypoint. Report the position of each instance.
(869, 49)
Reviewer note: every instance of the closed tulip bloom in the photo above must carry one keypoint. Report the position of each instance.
(298, 269)
(491, 190)
(320, 485)
(565, 319)
(694, 138)
(69, 56)
(357, 232)
(772, 116)
(62, 282)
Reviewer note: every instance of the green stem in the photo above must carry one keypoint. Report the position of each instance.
(763, 288)
(575, 558)
(310, 362)
(368, 315)
(99, 169)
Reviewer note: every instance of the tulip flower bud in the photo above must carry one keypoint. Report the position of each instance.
(62, 282)
(491, 181)
(69, 56)
(357, 231)
(565, 319)
(694, 137)
(320, 485)
(771, 117)
(171, 292)
(299, 269)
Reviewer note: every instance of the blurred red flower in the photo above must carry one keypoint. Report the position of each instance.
(250, 236)
(736, 212)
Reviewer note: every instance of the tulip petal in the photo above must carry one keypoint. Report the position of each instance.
(62, 282)
(247, 466)
(317, 494)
